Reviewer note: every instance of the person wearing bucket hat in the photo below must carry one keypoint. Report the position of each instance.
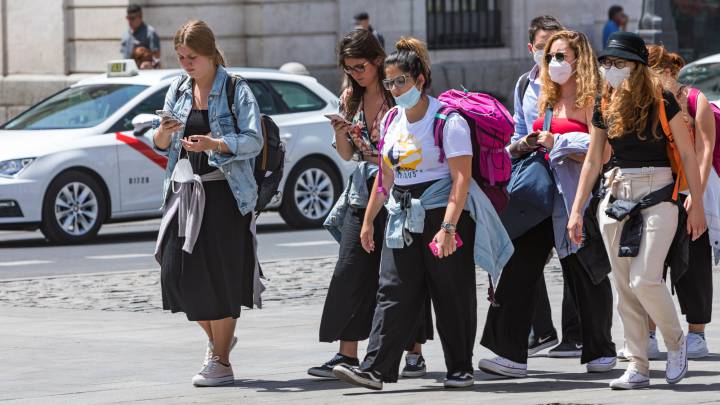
(628, 114)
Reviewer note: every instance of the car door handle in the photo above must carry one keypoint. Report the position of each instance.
(285, 136)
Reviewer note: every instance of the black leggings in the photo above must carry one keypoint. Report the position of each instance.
(695, 288)
(407, 275)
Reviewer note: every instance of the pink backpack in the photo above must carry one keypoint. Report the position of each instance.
(491, 126)
(692, 109)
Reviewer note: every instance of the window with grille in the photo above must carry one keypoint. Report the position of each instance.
(453, 24)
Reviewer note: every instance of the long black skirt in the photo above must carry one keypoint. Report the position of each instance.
(217, 278)
(352, 294)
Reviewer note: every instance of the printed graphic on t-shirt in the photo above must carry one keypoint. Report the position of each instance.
(405, 155)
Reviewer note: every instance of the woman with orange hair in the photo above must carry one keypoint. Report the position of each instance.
(638, 217)
(569, 85)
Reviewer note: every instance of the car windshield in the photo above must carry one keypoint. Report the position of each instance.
(705, 77)
(76, 107)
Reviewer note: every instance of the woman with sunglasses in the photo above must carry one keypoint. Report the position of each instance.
(427, 221)
(637, 217)
(569, 85)
(695, 288)
(351, 297)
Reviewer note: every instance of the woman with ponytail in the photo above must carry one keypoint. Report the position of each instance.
(206, 247)
(638, 216)
(351, 297)
(695, 288)
(430, 238)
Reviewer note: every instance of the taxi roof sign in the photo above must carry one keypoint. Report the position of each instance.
(122, 68)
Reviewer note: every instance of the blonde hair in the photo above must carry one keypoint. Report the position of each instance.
(197, 35)
(628, 108)
(411, 56)
(586, 72)
(660, 59)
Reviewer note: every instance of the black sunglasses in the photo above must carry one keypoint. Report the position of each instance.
(357, 68)
(607, 63)
(558, 56)
(398, 82)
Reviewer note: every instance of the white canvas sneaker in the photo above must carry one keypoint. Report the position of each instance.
(677, 363)
(209, 351)
(601, 365)
(697, 346)
(502, 366)
(214, 374)
(630, 380)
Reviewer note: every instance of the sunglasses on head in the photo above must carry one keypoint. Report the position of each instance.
(398, 82)
(558, 56)
(356, 69)
(607, 63)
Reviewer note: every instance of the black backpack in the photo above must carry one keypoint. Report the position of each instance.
(270, 163)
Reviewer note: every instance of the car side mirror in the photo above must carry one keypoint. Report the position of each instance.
(143, 123)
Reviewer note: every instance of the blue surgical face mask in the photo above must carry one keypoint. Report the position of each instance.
(408, 99)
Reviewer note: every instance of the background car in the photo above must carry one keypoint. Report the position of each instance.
(73, 161)
(705, 75)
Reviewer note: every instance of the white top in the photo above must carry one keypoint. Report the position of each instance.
(409, 148)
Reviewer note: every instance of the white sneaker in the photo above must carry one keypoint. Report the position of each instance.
(214, 374)
(209, 352)
(630, 380)
(677, 363)
(502, 366)
(653, 352)
(601, 365)
(696, 346)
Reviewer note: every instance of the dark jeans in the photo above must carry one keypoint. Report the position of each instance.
(406, 277)
(508, 325)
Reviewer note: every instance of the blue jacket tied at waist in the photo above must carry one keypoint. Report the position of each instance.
(355, 195)
(493, 247)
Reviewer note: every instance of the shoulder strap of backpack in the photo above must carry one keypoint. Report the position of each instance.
(441, 117)
(230, 84)
(672, 148)
(391, 114)
(522, 87)
(182, 81)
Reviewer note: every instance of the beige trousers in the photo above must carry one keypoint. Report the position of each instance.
(641, 290)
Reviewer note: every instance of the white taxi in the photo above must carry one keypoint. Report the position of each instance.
(83, 157)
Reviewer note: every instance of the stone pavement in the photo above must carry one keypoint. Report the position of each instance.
(103, 339)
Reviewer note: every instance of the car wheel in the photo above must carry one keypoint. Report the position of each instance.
(311, 190)
(73, 209)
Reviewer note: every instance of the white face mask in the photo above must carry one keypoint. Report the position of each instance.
(559, 72)
(615, 76)
(538, 56)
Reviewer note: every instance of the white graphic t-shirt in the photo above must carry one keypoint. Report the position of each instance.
(409, 148)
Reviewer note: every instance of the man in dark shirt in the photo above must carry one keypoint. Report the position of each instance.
(138, 34)
(362, 20)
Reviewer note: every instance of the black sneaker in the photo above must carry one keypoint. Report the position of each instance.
(353, 375)
(566, 349)
(414, 366)
(326, 370)
(459, 379)
(540, 343)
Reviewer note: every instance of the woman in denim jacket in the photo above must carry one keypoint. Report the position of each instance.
(351, 298)
(207, 256)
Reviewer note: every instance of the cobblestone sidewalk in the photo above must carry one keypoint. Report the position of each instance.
(294, 282)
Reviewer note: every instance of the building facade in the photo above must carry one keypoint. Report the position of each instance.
(478, 44)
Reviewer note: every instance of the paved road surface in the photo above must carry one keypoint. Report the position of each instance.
(129, 246)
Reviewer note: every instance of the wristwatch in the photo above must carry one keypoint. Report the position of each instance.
(448, 227)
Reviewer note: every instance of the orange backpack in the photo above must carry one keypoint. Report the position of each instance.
(673, 152)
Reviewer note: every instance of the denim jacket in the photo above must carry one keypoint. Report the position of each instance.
(355, 195)
(237, 166)
(493, 246)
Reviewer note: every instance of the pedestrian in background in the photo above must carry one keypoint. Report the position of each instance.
(638, 216)
(138, 34)
(617, 21)
(351, 298)
(205, 246)
(362, 20)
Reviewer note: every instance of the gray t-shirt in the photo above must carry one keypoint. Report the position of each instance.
(145, 36)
